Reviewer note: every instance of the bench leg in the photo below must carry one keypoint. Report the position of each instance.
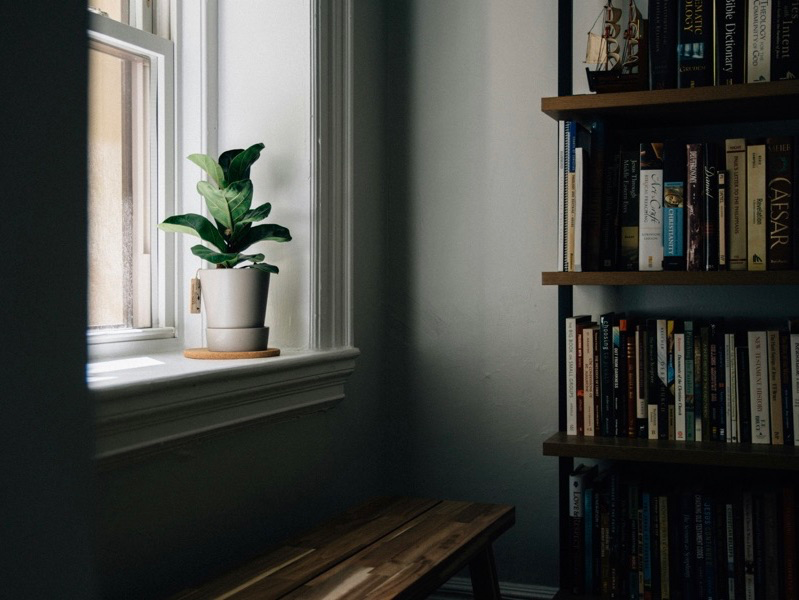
(483, 571)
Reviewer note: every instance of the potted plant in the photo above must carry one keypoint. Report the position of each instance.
(235, 292)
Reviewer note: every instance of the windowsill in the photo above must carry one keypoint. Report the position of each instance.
(159, 402)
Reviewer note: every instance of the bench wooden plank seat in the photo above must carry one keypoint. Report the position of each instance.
(385, 548)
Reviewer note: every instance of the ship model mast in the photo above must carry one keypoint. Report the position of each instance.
(615, 66)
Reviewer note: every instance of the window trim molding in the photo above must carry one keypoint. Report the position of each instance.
(165, 412)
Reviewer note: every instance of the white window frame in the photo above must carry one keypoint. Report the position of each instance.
(160, 53)
(156, 409)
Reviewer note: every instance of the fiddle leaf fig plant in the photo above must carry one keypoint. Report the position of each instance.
(228, 196)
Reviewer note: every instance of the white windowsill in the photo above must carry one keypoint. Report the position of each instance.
(159, 402)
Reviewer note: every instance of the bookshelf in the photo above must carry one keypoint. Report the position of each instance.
(758, 108)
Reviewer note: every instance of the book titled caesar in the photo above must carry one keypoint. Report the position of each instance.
(779, 202)
(629, 188)
(650, 217)
(784, 40)
(758, 41)
(730, 41)
(662, 41)
(736, 203)
(673, 206)
(756, 205)
(693, 207)
(694, 43)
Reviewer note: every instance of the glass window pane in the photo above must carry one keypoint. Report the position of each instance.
(119, 190)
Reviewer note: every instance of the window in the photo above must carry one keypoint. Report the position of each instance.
(130, 158)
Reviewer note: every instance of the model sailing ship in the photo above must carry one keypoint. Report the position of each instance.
(617, 66)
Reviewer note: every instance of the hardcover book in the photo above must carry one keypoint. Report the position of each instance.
(785, 387)
(710, 207)
(693, 207)
(730, 41)
(736, 203)
(756, 206)
(688, 328)
(758, 388)
(579, 480)
(721, 194)
(779, 202)
(609, 226)
(650, 217)
(606, 372)
(588, 379)
(793, 330)
(679, 385)
(774, 385)
(784, 40)
(662, 42)
(629, 188)
(758, 41)
(571, 324)
(673, 206)
(695, 43)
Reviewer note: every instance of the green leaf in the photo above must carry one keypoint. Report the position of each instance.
(217, 203)
(226, 259)
(273, 233)
(194, 225)
(225, 159)
(256, 214)
(240, 166)
(210, 166)
(238, 196)
(266, 267)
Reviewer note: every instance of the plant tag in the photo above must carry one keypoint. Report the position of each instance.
(194, 297)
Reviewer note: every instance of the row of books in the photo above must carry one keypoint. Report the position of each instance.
(679, 205)
(718, 42)
(682, 379)
(632, 537)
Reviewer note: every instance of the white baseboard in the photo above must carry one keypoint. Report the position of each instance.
(461, 588)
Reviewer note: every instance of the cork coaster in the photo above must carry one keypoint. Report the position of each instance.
(206, 354)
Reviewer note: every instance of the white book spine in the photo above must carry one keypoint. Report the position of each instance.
(736, 203)
(732, 390)
(727, 376)
(652, 421)
(650, 220)
(571, 376)
(758, 41)
(756, 206)
(722, 224)
(640, 384)
(579, 175)
(588, 381)
(679, 386)
(794, 352)
(758, 387)
(562, 171)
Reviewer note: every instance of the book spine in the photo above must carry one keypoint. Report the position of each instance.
(640, 381)
(729, 548)
(597, 382)
(749, 546)
(721, 194)
(779, 202)
(571, 192)
(650, 217)
(771, 543)
(794, 354)
(709, 534)
(588, 381)
(713, 385)
(730, 41)
(687, 542)
(663, 41)
(673, 207)
(670, 400)
(662, 379)
(732, 388)
(700, 584)
(571, 376)
(707, 423)
(629, 188)
(665, 567)
(758, 387)
(619, 390)
(784, 40)
(563, 171)
(758, 41)
(721, 387)
(679, 386)
(744, 403)
(610, 210)
(688, 327)
(756, 206)
(594, 180)
(646, 523)
(630, 382)
(789, 541)
(774, 386)
(576, 482)
(588, 536)
(579, 206)
(606, 376)
(693, 207)
(710, 208)
(579, 377)
(785, 388)
(695, 43)
(736, 203)
(652, 380)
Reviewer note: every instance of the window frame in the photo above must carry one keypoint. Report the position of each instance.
(161, 55)
(159, 409)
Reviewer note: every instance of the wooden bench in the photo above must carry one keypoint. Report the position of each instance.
(386, 548)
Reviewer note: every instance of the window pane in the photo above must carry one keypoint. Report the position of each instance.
(119, 190)
(113, 9)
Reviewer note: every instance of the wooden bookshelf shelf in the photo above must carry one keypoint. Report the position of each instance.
(772, 101)
(672, 278)
(719, 454)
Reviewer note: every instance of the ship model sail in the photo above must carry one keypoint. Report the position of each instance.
(617, 66)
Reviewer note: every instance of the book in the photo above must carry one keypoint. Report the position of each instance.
(793, 331)
(693, 208)
(744, 404)
(609, 230)
(630, 380)
(579, 480)
(758, 41)
(688, 329)
(571, 324)
(771, 544)
(736, 203)
(652, 380)
(629, 188)
(713, 383)
(694, 43)
(789, 541)
(662, 391)
(699, 379)
(579, 204)
(673, 206)
(640, 380)
(749, 545)
(704, 381)
(732, 388)
(663, 535)
(563, 174)
(721, 384)
(774, 385)
(779, 202)
(756, 206)
(758, 387)
(662, 42)
(785, 387)
(650, 216)
(679, 384)
(589, 333)
(730, 41)
(594, 169)
(606, 373)
(619, 373)
(784, 40)
(721, 194)
(710, 207)
(579, 375)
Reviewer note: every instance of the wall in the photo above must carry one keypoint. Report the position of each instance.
(168, 521)
(472, 334)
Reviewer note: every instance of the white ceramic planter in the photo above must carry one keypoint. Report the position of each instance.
(235, 299)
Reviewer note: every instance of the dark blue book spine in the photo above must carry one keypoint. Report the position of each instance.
(730, 41)
(695, 43)
(674, 162)
(662, 42)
